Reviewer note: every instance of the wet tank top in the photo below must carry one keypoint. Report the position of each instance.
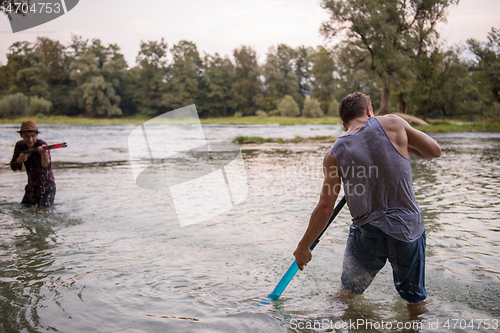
(377, 181)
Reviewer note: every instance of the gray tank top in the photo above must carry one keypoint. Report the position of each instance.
(378, 182)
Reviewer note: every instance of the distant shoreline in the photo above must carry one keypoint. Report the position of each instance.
(139, 120)
(435, 126)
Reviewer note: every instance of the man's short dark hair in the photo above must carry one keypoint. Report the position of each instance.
(353, 106)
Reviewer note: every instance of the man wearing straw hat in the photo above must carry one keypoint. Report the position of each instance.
(41, 188)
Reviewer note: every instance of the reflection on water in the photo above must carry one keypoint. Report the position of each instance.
(111, 256)
(27, 238)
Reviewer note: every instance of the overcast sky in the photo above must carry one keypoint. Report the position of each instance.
(222, 25)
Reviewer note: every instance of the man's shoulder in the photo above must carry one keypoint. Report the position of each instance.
(392, 122)
(329, 159)
(390, 119)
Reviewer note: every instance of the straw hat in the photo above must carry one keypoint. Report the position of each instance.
(28, 126)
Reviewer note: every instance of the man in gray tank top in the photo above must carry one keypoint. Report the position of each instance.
(372, 161)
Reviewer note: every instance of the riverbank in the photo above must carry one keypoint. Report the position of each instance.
(435, 126)
(139, 120)
(297, 139)
(445, 126)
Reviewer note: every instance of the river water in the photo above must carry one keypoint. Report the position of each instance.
(112, 257)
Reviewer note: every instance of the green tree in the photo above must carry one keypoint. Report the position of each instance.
(128, 90)
(183, 76)
(214, 98)
(357, 77)
(333, 108)
(322, 71)
(280, 76)
(488, 62)
(390, 33)
(39, 70)
(444, 87)
(246, 91)
(303, 67)
(428, 85)
(97, 72)
(24, 72)
(150, 76)
(56, 61)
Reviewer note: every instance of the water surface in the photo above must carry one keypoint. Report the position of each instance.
(111, 256)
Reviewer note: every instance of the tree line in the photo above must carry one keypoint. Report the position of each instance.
(389, 50)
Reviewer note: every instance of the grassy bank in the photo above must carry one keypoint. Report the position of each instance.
(435, 125)
(140, 120)
(74, 120)
(272, 120)
(444, 126)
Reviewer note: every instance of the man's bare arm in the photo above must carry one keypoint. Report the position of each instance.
(420, 144)
(322, 212)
